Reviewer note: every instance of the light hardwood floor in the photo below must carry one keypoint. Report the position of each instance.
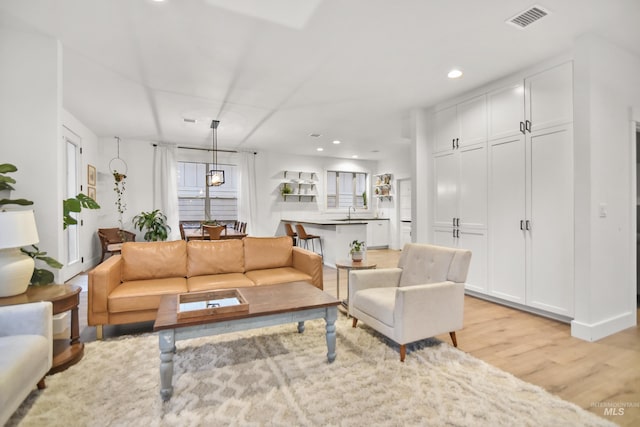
(535, 349)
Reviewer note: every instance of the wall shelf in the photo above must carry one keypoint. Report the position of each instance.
(383, 186)
(300, 184)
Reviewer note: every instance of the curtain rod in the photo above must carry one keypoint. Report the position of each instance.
(207, 149)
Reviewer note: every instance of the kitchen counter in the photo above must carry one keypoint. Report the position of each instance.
(336, 235)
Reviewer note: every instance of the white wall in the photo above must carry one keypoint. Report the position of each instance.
(400, 166)
(607, 86)
(30, 131)
(421, 170)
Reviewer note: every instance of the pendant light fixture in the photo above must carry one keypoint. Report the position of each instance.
(215, 177)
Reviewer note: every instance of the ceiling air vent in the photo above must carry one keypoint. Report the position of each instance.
(187, 120)
(524, 19)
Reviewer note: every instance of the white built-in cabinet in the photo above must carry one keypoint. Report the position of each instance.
(510, 199)
(377, 233)
(460, 171)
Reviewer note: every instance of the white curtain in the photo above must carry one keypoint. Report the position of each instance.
(165, 186)
(247, 197)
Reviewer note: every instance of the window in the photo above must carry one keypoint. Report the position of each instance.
(197, 202)
(346, 189)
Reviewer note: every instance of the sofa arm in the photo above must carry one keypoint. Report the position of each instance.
(102, 281)
(27, 319)
(380, 278)
(433, 309)
(310, 263)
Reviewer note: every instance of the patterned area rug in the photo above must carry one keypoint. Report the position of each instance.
(275, 376)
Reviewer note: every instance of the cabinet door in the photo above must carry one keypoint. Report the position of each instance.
(378, 232)
(549, 97)
(507, 186)
(550, 284)
(444, 237)
(476, 242)
(505, 111)
(472, 117)
(446, 123)
(446, 188)
(472, 188)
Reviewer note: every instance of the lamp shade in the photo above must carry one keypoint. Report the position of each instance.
(17, 229)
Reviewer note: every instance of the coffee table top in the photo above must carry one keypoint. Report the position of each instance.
(263, 300)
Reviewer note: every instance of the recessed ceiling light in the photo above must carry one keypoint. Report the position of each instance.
(355, 156)
(319, 149)
(454, 74)
(336, 142)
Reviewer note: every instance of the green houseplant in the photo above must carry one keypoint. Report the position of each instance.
(155, 224)
(357, 250)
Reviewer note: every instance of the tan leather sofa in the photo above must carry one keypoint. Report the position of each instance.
(127, 288)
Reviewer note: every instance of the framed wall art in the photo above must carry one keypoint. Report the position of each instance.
(91, 176)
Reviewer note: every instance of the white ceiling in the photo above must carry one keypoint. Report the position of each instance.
(275, 71)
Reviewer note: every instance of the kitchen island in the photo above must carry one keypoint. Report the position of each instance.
(336, 235)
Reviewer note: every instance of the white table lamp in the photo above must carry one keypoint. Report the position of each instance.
(17, 229)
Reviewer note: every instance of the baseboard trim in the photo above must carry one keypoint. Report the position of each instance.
(604, 328)
(521, 307)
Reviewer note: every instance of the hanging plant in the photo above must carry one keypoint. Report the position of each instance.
(119, 188)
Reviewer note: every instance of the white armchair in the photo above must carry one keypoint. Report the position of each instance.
(421, 298)
(26, 352)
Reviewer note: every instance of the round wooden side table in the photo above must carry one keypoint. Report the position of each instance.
(349, 265)
(66, 352)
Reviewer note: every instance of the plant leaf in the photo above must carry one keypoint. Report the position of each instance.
(87, 202)
(51, 262)
(21, 202)
(41, 277)
(7, 167)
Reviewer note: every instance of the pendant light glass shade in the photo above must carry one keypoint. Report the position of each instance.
(215, 177)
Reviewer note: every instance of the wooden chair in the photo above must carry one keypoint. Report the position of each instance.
(243, 227)
(289, 229)
(214, 231)
(111, 240)
(303, 236)
(182, 235)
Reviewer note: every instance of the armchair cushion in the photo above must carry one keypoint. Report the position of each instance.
(377, 302)
(422, 264)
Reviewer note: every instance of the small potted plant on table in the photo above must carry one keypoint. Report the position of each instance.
(357, 250)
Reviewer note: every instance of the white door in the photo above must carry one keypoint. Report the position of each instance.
(446, 191)
(404, 209)
(507, 186)
(472, 116)
(472, 187)
(550, 284)
(505, 111)
(549, 97)
(73, 261)
(446, 123)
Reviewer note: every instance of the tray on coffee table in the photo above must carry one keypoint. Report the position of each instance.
(208, 303)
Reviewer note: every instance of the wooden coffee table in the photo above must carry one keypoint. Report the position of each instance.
(269, 305)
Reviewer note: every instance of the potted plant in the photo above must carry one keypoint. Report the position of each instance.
(286, 189)
(357, 250)
(155, 224)
(119, 188)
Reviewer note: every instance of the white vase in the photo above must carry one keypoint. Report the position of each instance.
(357, 256)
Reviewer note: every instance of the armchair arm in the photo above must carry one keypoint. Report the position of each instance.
(27, 319)
(423, 311)
(380, 278)
(310, 263)
(102, 281)
(128, 236)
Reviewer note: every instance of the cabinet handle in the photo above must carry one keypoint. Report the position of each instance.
(522, 225)
(457, 143)
(454, 222)
(453, 143)
(454, 233)
(527, 126)
(528, 225)
(522, 127)
(458, 222)
(458, 233)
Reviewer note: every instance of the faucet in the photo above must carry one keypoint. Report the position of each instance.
(349, 212)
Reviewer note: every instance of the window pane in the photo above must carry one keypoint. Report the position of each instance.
(193, 202)
(345, 189)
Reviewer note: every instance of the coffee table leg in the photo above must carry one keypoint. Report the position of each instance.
(330, 319)
(300, 327)
(167, 341)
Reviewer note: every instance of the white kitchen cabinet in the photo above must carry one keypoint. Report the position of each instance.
(531, 219)
(461, 125)
(476, 242)
(377, 233)
(537, 102)
(461, 187)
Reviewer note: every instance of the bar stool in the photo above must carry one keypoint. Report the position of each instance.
(302, 235)
(289, 229)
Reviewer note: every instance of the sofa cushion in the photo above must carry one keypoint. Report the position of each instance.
(273, 276)
(154, 260)
(205, 257)
(138, 295)
(267, 252)
(218, 281)
(378, 303)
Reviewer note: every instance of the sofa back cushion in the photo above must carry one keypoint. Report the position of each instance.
(154, 260)
(214, 257)
(267, 252)
(423, 264)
